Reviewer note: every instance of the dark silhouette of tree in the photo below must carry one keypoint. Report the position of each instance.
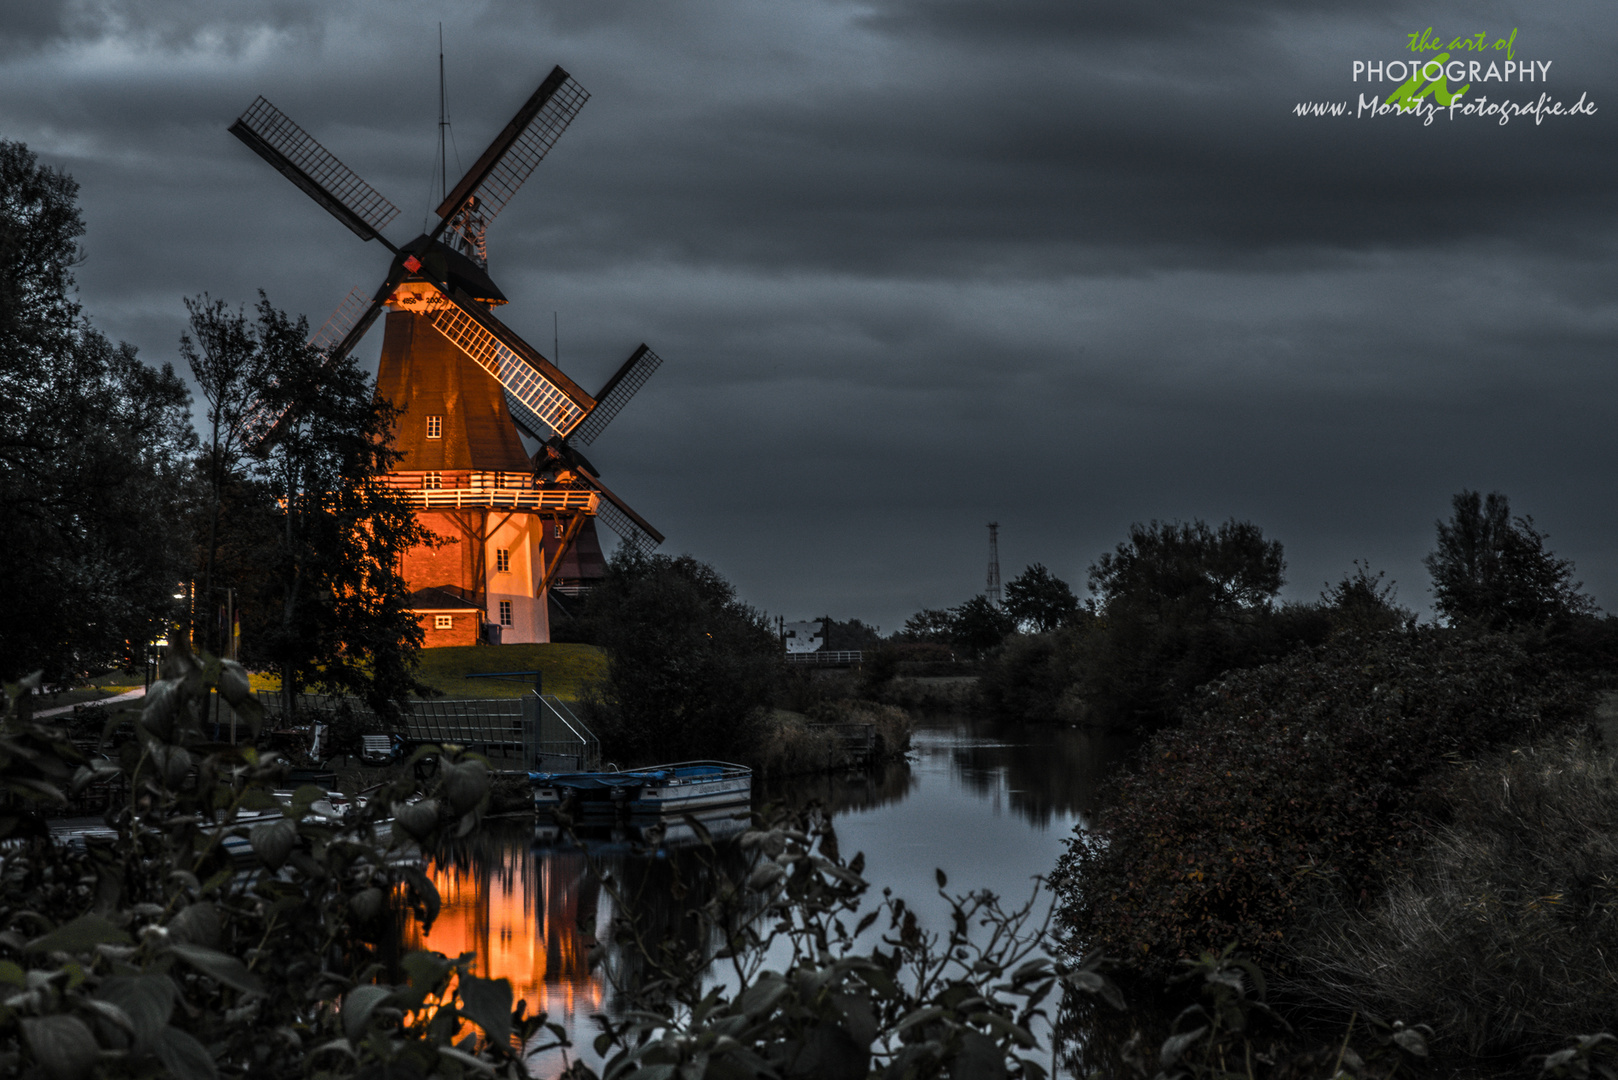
(1493, 570)
(1040, 601)
(934, 625)
(332, 611)
(979, 626)
(222, 349)
(94, 451)
(1361, 603)
(1189, 570)
(691, 669)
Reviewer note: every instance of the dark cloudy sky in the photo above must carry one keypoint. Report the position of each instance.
(916, 265)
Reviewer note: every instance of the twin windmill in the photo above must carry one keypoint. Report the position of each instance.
(464, 384)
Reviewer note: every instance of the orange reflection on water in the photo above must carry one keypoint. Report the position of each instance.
(520, 915)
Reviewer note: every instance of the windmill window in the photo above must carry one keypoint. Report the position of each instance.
(502, 560)
(505, 613)
(435, 427)
(443, 622)
(432, 481)
(559, 530)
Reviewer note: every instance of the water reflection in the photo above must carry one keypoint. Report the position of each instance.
(990, 803)
(524, 918)
(1044, 774)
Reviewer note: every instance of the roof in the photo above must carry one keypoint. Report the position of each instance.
(458, 270)
(444, 598)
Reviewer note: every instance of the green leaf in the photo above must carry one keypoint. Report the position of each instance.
(303, 798)
(274, 841)
(11, 973)
(226, 969)
(196, 924)
(81, 935)
(1176, 1045)
(942, 880)
(980, 1058)
(920, 1016)
(466, 784)
(358, 1006)
(184, 1057)
(148, 1001)
(487, 1002)
(417, 819)
(64, 1045)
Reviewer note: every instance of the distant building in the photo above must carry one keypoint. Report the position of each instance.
(804, 637)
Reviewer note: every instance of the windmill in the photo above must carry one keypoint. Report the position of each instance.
(465, 384)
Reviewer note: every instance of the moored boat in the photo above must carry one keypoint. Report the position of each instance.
(661, 789)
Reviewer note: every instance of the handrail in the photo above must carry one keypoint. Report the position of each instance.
(565, 715)
(531, 498)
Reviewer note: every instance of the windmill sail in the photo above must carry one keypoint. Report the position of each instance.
(633, 529)
(514, 154)
(542, 397)
(616, 394)
(297, 156)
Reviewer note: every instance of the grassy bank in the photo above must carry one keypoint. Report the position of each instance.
(566, 667)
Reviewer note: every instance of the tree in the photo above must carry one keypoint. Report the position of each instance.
(225, 360)
(332, 611)
(1360, 602)
(1493, 570)
(979, 626)
(1039, 600)
(690, 667)
(94, 446)
(930, 625)
(1190, 571)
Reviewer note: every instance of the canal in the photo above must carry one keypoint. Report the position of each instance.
(988, 803)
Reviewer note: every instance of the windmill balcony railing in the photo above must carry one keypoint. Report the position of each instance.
(461, 490)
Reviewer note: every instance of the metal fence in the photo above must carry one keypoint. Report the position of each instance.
(825, 658)
(541, 729)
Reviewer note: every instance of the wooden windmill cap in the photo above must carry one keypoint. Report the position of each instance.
(456, 269)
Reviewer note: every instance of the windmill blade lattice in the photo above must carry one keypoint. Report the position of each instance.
(519, 148)
(294, 153)
(539, 400)
(630, 526)
(616, 394)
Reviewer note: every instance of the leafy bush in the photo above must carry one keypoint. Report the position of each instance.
(1134, 670)
(152, 953)
(1289, 778)
(1501, 934)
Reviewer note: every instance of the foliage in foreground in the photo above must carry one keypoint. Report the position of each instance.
(1289, 780)
(1500, 936)
(153, 953)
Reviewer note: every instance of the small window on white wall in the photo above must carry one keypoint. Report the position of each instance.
(505, 613)
(502, 560)
(443, 622)
(435, 427)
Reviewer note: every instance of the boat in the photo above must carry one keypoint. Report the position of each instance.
(662, 789)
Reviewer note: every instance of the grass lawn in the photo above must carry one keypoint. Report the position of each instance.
(567, 668)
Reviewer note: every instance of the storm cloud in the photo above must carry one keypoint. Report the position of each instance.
(916, 266)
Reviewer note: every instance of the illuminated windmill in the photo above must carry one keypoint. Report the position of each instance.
(465, 384)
